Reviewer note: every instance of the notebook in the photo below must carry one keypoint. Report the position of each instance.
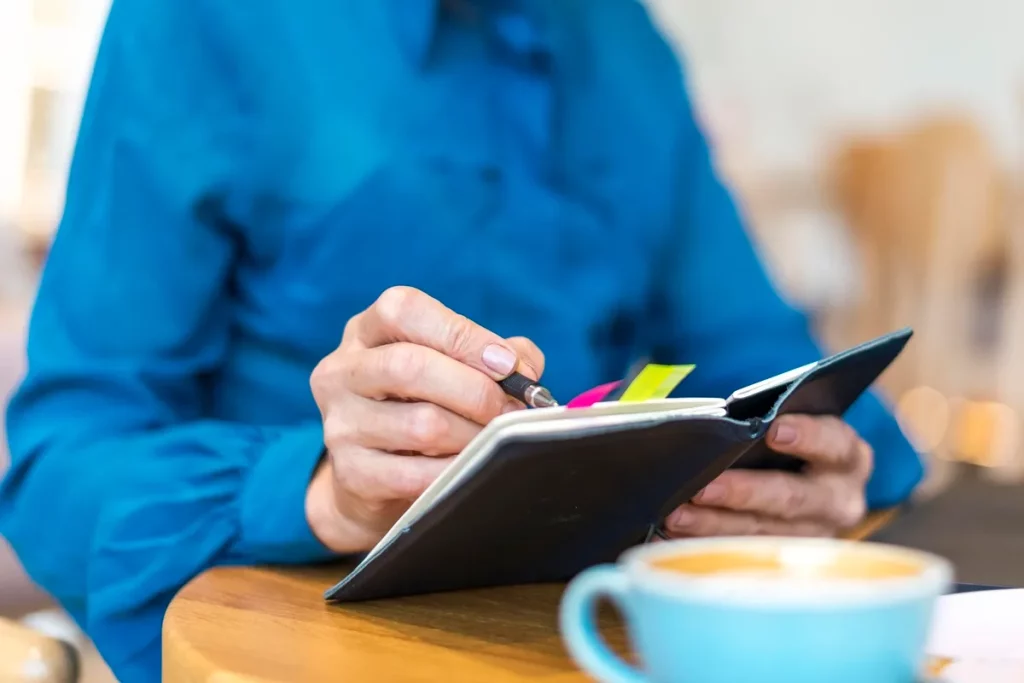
(541, 494)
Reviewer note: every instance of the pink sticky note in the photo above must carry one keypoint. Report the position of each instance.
(592, 396)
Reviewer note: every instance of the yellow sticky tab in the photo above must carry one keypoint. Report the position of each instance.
(654, 382)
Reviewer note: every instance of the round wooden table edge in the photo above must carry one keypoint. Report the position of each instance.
(182, 662)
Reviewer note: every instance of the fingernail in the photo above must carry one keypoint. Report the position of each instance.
(499, 359)
(784, 434)
(681, 518)
(713, 494)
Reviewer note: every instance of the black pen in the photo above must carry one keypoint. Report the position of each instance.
(524, 389)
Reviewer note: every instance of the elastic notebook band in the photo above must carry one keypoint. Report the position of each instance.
(656, 531)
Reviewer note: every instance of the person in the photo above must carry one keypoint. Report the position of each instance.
(452, 190)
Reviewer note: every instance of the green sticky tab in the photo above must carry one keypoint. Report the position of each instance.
(655, 381)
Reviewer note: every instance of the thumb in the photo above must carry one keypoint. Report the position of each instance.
(531, 358)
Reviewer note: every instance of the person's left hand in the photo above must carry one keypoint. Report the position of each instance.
(827, 498)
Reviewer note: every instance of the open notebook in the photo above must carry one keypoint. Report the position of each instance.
(541, 494)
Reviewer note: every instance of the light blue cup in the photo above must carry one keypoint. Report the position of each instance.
(756, 627)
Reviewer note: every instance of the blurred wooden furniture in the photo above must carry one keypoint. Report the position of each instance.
(245, 624)
(1009, 358)
(927, 209)
(27, 656)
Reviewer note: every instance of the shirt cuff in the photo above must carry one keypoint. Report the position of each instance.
(273, 498)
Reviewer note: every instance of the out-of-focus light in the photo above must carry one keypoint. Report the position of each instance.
(923, 414)
(987, 433)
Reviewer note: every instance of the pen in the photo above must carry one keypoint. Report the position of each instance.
(526, 390)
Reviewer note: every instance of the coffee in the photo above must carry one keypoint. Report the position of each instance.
(760, 608)
(783, 563)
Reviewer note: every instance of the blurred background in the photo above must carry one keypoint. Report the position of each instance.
(875, 146)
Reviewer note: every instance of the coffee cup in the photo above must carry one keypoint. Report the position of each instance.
(759, 609)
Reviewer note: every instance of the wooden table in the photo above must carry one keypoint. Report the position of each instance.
(244, 624)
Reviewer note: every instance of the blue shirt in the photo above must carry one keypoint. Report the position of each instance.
(250, 175)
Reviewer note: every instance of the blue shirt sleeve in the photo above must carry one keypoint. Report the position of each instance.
(722, 312)
(120, 489)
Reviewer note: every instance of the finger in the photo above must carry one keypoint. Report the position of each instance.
(405, 314)
(375, 477)
(774, 494)
(531, 363)
(418, 373)
(823, 441)
(391, 426)
(531, 358)
(690, 520)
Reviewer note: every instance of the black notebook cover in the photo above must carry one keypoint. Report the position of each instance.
(543, 509)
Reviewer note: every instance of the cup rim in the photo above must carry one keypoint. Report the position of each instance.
(935, 578)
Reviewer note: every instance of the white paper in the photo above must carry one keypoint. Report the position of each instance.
(983, 633)
(983, 671)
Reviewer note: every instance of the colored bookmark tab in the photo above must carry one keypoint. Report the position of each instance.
(654, 382)
(592, 396)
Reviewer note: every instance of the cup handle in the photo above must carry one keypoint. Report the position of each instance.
(576, 616)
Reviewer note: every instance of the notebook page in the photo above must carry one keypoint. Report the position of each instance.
(772, 382)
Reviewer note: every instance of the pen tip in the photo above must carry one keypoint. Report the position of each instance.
(544, 399)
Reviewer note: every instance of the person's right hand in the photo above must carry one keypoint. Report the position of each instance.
(408, 387)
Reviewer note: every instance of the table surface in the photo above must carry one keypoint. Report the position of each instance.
(246, 624)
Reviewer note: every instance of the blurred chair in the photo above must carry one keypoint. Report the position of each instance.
(27, 656)
(926, 210)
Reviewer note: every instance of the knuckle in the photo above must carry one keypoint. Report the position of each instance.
(427, 427)
(847, 442)
(339, 433)
(347, 477)
(852, 511)
(404, 363)
(318, 383)
(844, 435)
(394, 304)
(738, 491)
(324, 379)
(459, 336)
(321, 375)
(831, 423)
(795, 499)
(350, 327)
(830, 441)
